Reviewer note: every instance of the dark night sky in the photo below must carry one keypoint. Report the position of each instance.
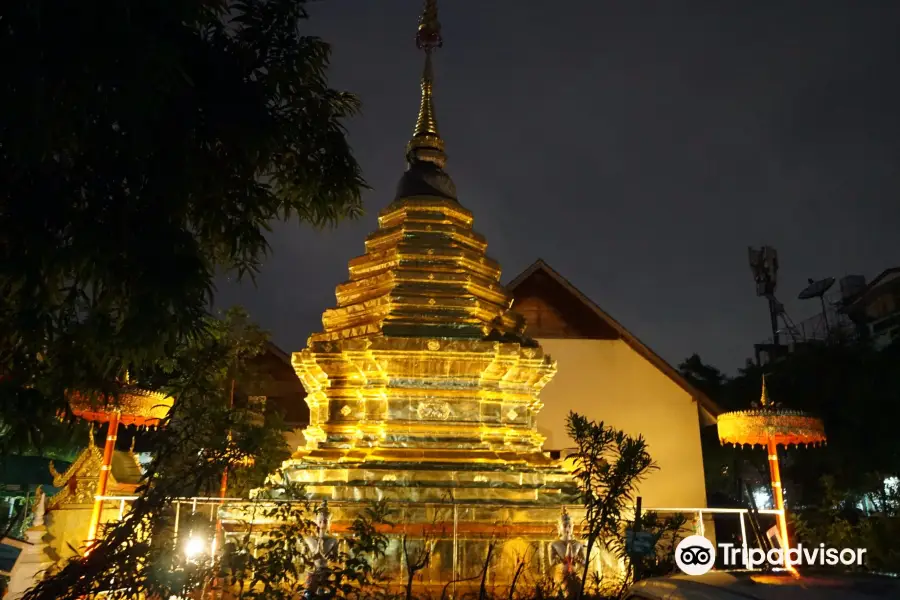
(638, 147)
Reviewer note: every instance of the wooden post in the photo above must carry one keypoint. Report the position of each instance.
(775, 473)
(108, 448)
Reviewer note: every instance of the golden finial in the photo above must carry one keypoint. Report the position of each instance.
(91, 436)
(133, 439)
(426, 144)
(764, 396)
(53, 472)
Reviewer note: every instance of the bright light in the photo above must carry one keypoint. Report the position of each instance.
(144, 459)
(762, 498)
(194, 547)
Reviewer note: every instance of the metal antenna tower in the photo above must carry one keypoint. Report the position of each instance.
(764, 264)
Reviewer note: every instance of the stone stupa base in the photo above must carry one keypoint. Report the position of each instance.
(460, 510)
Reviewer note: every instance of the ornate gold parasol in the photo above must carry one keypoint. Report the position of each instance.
(771, 426)
(132, 406)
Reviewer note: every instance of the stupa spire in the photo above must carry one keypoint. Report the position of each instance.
(764, 400)
(426, 144)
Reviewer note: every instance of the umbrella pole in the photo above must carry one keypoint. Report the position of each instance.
(775, 473)
(108, 449)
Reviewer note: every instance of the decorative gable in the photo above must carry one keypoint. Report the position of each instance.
(79, 482)
(552, 311)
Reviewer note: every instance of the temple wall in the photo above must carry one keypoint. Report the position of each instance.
(607, 380)
(67, 527)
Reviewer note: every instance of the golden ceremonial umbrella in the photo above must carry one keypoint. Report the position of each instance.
(132, 406)
(770, 426)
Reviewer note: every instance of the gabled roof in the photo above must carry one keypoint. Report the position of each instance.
(88, 462)
(281, 387)
(625, 335)
(279, 353)
(124, 475)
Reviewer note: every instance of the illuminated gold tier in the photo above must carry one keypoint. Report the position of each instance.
(422, 376)
(424, 274)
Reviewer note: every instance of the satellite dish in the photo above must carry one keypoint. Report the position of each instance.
(816, 289)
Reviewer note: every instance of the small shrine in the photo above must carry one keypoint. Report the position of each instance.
(132, 406)
(78, 483)
(70, 508)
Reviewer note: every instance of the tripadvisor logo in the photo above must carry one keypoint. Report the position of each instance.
(695, 555)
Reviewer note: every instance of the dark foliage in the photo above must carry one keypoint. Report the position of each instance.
(276, 564)
(610, 465)
(836, 494)
(145, 147)
(202, 436)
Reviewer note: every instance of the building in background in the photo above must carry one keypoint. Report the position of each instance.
(282, 390)
(606, 374)
(852, 310)
(875, 308)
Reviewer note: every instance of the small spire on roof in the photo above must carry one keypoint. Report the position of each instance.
(426, 144)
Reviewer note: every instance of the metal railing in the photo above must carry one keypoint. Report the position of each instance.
(210, 508)
(199, 505)
(741, 512)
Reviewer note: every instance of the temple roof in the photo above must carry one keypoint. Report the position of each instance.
(78, 483)
(580, 317)
(124, 469)
(279, 384)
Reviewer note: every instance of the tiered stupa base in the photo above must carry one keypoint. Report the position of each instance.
(460, 502)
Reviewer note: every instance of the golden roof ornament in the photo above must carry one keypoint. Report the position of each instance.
(425, 158)
(764, 395)
(770, 422)
(426, 144)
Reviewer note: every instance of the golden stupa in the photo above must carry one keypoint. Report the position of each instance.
(423, 387)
